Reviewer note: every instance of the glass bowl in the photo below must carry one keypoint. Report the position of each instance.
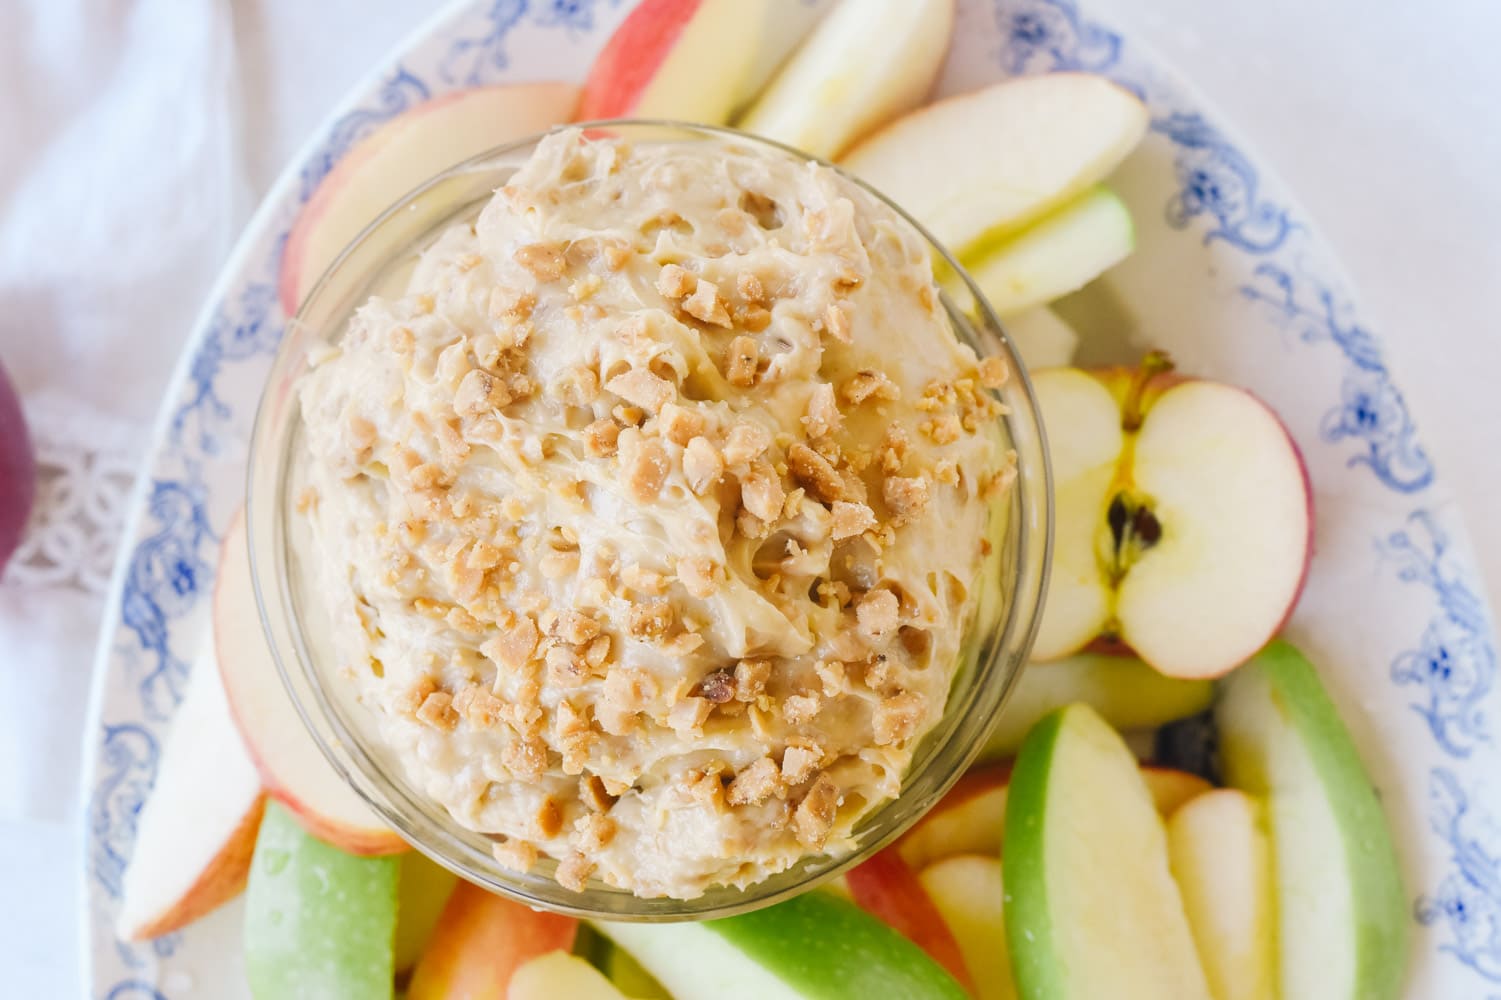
(995, 646)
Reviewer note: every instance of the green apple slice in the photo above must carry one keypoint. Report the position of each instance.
(318, 922)
(1128, 693)
(1341, 908)
(1055, 255)
(814, 947)
(1091, 908)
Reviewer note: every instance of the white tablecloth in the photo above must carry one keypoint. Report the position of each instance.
(136, 135)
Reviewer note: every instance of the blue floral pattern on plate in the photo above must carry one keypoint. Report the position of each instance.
(1441, 672)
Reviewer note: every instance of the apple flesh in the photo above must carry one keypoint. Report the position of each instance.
(687, 60)
(864, 64)
(812, 946)
(1055, 255)
(480, 941)
(977, 167)
(631, 979)
(785, 25)
(557, 975)
(1222, 861)
(294, 770)
(1041, 338)
(1341, 908)
(422, 892)
(1128, 693)
(1091, 907)
(968, 892)
(885, 887)
(196, 833)
(318, 922)
(403, 153)
(1184, 518)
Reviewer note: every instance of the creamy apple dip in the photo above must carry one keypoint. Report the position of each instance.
(648, 519)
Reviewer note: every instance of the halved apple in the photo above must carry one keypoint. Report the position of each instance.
(1222, 861)
(318, 922)
(687, 60)
(885, 887)
(1057, 254)
(196, 833)
(294, 770)
(1041, 337)
(811, 947)
(1091, 907)
(864, 63)
(1123, 689)
(1184, 517)
(968, 892)
(481, 941)
(403, 153)
(979, 166)
(1341, 909)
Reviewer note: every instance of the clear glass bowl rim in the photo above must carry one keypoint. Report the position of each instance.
(422, 823)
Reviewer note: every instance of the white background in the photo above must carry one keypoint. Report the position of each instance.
(1380, 114)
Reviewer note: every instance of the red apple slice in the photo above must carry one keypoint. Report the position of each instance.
(687, 60)
(969, 894)
(479, 943)
(885, 887)
(1221, 858)
(400, 155)
(196, 833)
(293, 768)
(863, 65)
(979, 166)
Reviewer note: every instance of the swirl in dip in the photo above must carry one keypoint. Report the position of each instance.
(648, 518)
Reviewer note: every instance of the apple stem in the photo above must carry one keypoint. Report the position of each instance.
(1154, 364)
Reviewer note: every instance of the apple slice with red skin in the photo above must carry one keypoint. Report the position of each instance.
(480, 941)
(864, 64)
(1184, 517)
(971, 818)
(401, 154)
(686, 60)
(969, 893)
(294, 770)
(885, 887)
(196, 833)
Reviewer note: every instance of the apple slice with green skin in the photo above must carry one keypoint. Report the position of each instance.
(1059, 253)
(1123, 689)
(813, 947)
(688, 60)
(318, 922)
(1222, 860)
(971, 818)
(887, 888)
(968, 892)
(1184, 517)
(1041, 337)
(631, 979)
(1091, 907)
(864, 64)
(977, 167)
(1341, 909)
(294, 770)
(558, 975)
(479, 943)
(196, 833)
(402, 153)
(422, 892)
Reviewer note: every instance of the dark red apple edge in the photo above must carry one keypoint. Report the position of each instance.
(17, 471)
